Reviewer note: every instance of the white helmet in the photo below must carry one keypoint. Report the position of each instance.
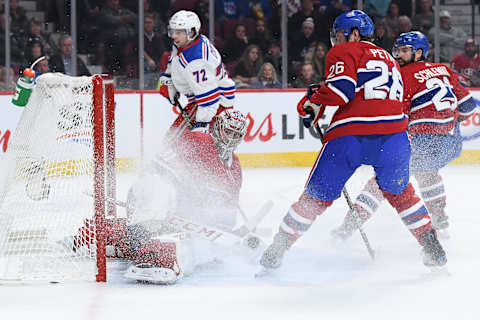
(185, 20)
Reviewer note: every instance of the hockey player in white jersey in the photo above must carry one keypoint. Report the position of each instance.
(195, 69)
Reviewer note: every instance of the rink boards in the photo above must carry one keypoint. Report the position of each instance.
(275, 136)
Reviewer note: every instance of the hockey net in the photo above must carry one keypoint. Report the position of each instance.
(62, 149)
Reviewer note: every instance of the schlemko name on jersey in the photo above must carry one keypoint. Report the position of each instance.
(426, 74)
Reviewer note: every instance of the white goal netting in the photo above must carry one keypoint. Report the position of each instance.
(45, 177)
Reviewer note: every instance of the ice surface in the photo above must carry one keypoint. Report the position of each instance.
(319, 279)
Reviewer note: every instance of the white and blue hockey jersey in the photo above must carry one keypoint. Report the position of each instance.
(197, 72)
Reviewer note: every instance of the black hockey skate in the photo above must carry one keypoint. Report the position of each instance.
(273, 255)
(433, 253)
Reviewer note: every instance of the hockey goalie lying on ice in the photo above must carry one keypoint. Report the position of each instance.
(182, 211)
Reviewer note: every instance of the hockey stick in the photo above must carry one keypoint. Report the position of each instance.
(183, 112)
(241, 235)
(344, 190)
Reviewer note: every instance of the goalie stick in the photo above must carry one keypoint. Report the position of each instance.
(345, 193)
(245, 234)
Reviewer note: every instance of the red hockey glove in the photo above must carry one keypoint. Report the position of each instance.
(167, 89)
(309, 111)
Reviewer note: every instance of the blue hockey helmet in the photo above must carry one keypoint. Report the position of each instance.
(354, 19)
(414, 39)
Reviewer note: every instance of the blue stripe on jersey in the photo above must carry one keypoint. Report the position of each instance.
(347, 87)
(227, 88)
(369, 122)
(467, 106)
(427, 97)
(208, 50)
(194, 52)
(365, 76)
(206, 93)
(181, 63)
(429, 122)
(229, 97)
(209, 103)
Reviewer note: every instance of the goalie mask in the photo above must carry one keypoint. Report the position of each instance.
(228, 131)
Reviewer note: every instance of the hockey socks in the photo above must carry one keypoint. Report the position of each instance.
(412, 211)
(301, 215)
(433, 194)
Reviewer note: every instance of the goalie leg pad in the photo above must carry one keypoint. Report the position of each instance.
(162, 260)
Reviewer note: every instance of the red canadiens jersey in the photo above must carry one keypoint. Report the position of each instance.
(199, 154)
(433, 98)
(466, 66)
(365, 82)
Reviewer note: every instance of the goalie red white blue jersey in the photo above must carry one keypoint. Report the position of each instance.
(365, 81)
(434, 98)
(197, 72)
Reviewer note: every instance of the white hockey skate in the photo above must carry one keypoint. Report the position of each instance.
(160, 261)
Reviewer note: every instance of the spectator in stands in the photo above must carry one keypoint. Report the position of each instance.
(391, 21)
(334, 9)
(267, 78)
(320, 21)
(404, 25)
(274, 56)
(467, 64)
(306, 11)
(317, 59)
(153, 45)
(33, 51)
(16, 52)
(62, 61)
(4, 86)
(248, 67)
(118, 27)
(41, 67)
(58, 12)
(381, 37)
(35, 32)
(153, 51)
(259, 9)
(307, 77)
(158, 24)
(88, 12)
(230, 9)
(163, 8)
(262, 37)
(293, 6)
(303, 43)
(18, 19)
(451, 38)
(423, 19)
(236, 45)
(376, 9)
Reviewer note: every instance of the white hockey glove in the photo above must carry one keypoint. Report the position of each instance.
(167, 89)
